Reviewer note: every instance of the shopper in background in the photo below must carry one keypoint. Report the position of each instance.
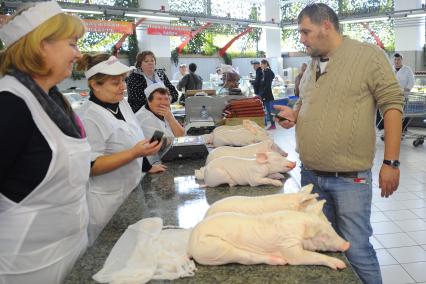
(117, 141)
(298, 78)
(258, 76)
(405, 77)
(265, 90)
(334, 119)
(45, 162)
(145, 75)
(190, 81)
(180, 73)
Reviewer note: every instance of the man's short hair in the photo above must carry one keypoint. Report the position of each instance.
(318, 13)
(397, 55)
(254, 61)
(192, 67)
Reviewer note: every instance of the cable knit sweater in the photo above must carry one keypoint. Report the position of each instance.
(335, 128)
(136, 85)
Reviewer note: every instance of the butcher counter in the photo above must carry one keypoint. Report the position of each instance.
(176, 197)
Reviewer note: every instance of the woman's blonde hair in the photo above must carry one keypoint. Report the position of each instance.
(25, 54)
(88, 61)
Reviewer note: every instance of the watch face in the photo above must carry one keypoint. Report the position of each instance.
(395, 164)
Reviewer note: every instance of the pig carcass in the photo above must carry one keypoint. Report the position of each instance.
(278, 238)
(254, 205)
(239, 135)
(248, 151)
(265, 168)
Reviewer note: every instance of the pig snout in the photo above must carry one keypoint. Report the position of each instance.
(291, 165)
(345, 246)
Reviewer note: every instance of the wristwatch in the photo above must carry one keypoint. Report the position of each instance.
(393, 163)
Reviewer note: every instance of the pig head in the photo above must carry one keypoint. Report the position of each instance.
(264, 169)
(278, 238)
(266, 204)
(248, 151)
(240, 135)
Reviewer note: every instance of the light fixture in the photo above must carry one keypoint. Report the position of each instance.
(82, 11)
(363, 20)
(416, 15)
(156, 17)
(266, 26)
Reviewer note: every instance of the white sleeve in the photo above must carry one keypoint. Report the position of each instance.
(410, 78)
(96, 139)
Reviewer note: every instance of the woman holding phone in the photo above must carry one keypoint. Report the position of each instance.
(117, 141)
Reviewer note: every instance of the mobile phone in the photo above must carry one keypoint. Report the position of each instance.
(156, 136)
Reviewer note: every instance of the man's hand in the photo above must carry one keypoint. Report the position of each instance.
(288, 113)
(388, 180)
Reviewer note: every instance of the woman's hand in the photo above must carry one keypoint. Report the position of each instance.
(288, 116)
(144, 148)
(165, 111)
(158, 168)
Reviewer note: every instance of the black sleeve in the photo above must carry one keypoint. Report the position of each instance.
(146, 165)
(182, 83)
(136, 85)
(173, 92)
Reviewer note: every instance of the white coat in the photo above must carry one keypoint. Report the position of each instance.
(107, 135)
(43, 235)
(405, 77)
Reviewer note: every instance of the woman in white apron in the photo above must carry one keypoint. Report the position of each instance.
(117, 141)
(45, 163)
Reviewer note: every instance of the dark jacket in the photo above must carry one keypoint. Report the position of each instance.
(256, 81)
(265, 88)
(190, 81)
(136, 85)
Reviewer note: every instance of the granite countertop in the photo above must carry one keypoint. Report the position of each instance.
(176, 197)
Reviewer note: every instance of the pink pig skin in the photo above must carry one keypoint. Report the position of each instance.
(278, 238)
(264, 169)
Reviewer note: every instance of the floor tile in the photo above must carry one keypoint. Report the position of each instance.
(400, 196)
(415, 204)
(385, 258)
(395, 274)
(396, 240)
(416, 270)
(421, 212)
(419, 237)
(396, 215)
(376, 244)
(378, 216)
(411, 225)
(408, 254)
(390, 205)
(385, 228)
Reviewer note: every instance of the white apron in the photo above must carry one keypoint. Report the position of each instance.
(43, 235)
(107, 135)
(149, 123)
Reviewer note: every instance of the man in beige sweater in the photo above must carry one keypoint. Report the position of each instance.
(343, 85)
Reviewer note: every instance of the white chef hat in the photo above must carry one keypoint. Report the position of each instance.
(151, 88)
(112, 66)
(28, 20)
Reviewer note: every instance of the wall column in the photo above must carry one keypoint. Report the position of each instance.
(273, 37)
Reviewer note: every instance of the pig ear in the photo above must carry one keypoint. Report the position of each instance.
(307, 188)
(261, 158)
(309, 199)
(316, 208)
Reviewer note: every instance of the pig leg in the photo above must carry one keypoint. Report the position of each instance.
(266, 180)
(276, 176)
(220, 252)
(296, 255)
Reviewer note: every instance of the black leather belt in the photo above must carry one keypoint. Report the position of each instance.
(336, 174)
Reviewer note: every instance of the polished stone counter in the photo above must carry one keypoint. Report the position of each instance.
(176, 197)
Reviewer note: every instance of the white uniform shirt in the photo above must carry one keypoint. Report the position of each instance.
(405, 77)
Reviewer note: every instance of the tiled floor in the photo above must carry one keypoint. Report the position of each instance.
(399, 222)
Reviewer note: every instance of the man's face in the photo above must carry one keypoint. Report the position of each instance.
(398, 62)
(255, 66)
(182, 69)
(312, 36)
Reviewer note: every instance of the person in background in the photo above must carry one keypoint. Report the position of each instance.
(45, 164)
(258, 76)
(145, 75)
(231, 82)
(298, 78)
(156, 114)
(405, 77)
(334, 118)
(117, 141)
(265, 91)
(190, 81)
(182, 71)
